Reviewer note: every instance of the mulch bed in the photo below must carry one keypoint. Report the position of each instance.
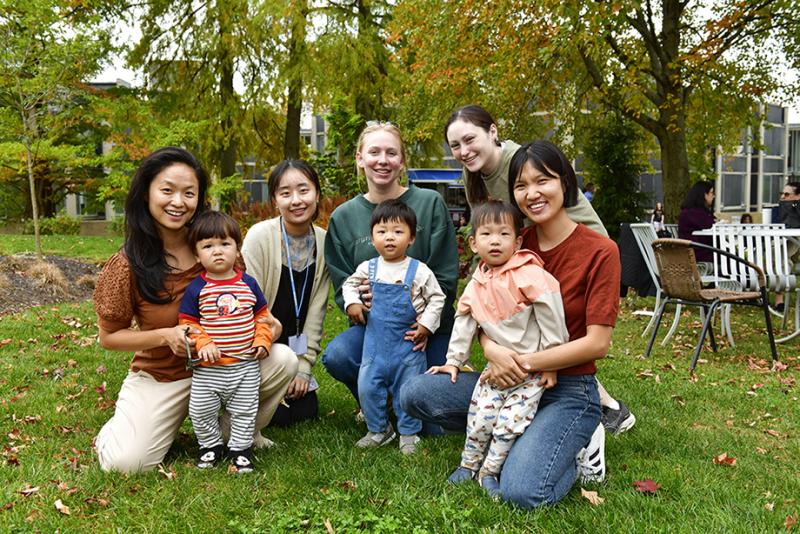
(24, 291)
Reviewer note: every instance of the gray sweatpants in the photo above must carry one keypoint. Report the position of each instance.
(236, 387)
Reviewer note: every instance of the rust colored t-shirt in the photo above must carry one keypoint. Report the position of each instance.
(117, 302)
(588, 268)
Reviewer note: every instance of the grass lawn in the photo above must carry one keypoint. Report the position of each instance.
(58, 386)
(96, 249)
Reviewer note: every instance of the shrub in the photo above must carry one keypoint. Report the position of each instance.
(49, 276)
(61, 224)
(117, 226)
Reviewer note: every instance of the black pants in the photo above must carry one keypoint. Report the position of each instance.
(298, 410)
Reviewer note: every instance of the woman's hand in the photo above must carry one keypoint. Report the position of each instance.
(366, 294)
(451, 370)
(175, 339)
(274, 325)
(297, 388)
(504, 371)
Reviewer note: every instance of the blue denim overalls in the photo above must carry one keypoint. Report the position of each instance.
(387, 360)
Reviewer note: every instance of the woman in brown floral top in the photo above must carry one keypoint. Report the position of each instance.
(136, 300)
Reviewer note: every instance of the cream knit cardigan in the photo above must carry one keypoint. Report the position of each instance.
(261, 251)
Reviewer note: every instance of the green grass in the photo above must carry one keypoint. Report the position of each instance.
(315, 475)
(90, 248)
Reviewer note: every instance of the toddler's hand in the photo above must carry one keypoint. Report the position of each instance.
(451, 370)
(209, 353)
(418, 334)
(549, 379)
(366, 293)
(261, 352)
(356, 313)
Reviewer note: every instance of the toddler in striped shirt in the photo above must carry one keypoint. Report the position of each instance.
(224, 305)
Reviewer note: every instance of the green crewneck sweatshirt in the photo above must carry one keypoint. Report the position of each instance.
(349, 242)
(497, 187)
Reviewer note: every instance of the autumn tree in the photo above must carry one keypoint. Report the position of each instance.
(687, 72)
(47, 49)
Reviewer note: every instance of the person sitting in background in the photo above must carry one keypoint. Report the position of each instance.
(696, 214)
(746, 219)
(789, 214)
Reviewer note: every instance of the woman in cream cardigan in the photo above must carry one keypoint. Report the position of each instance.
(285, 256)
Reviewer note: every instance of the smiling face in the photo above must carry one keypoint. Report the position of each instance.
(539, 196)
(380, 156)
(495, 241)
(392, 239)
(296, 198)
(473, 147)
(218, 256)
(172, 197)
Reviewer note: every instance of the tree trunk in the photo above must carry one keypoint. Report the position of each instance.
(227, 163)
(34, 204)
(294, 99)
(674, 162)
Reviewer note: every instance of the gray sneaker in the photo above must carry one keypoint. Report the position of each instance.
(617, 421)
(408, 444)
(376, 439)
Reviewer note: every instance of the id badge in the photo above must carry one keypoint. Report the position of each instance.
(298, 344)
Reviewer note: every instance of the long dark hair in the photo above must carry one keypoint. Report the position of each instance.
(696, 197)
(546, 158)
(143, 245)
(473, 114)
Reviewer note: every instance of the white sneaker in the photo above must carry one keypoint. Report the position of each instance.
(376, 439)
(592, 458)
(408, 444)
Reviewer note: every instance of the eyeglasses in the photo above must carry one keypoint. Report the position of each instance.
(785, 194)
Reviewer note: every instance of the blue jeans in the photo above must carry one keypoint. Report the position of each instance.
(541, 467)
(342, 356)
(342, 360)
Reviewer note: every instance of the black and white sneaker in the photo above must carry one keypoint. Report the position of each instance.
(209, 457)
(242, 460)
(617, 421)
(592, 458)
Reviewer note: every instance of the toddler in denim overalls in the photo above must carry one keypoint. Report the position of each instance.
(407, 303)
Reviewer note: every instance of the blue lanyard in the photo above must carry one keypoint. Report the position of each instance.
(297, 305)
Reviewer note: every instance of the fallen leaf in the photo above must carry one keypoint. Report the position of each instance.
(328, 526)
(592, 497)
(729, 423)
(101, 389)
(348, 485)
(647, 373)
(778, 367)
(761, 450)
(28, 490)
(756, 386)
(724, 459)
(791, 520)
(99, 502)
(7, 506)
(71, 363)
(679, 400)
(5, 342)
(770, 506)
(61, 507)
(100, 369)
(773, 433)
(171, 474)
(646, 486)
(331, 413)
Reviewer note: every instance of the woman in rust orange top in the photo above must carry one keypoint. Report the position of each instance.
(136, 300)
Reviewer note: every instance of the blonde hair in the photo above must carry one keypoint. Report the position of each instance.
(374, 126)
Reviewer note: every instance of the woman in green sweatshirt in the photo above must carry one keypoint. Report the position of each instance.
(381, 157)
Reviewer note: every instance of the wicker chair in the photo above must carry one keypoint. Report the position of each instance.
(680, 281)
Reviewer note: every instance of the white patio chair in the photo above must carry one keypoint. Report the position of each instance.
(769, 252)
(645, 235)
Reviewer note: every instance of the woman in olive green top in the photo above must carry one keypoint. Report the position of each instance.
(471, 133)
